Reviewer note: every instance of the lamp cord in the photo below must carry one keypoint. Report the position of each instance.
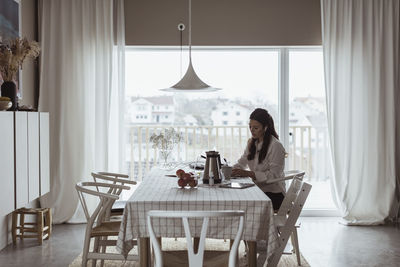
(181, 33)
(190, 30)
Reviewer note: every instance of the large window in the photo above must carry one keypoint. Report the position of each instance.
(246, 76)
(277, 79)
(308, 129)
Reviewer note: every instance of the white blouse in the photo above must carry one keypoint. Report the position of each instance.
(270, 168)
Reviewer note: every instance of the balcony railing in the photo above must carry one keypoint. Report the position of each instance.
(308, 147)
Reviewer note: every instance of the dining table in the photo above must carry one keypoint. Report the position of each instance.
(160, 191)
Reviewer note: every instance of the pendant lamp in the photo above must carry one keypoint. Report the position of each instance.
(190, 81)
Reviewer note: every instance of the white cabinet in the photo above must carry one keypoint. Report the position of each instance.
(6, 162)
(44, 141)
(24, 158)
(33, 156)
(21, 159)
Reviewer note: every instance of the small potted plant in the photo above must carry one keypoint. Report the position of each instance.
(12, 56)
(165, 142)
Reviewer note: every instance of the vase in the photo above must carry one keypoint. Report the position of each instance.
(165, 157)
(9, 89)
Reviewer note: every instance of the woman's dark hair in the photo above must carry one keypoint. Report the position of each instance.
(263, 117)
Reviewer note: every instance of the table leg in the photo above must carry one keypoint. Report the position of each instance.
(144, 252)
(196, 242)
(159, 240)
(252, 256)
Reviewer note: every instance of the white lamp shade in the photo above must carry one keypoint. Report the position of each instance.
(190, 83)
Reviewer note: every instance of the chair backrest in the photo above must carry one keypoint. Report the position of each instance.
(290, 197)
(116, 175)
(291, 174)
(289, 212)
(113, 178)
(195, 260)
(105, 199)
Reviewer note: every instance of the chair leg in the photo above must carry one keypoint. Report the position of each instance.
(275, 257)
(237, 252)
(22, 225)
(159, 241)
(95, 249)
(295, 243)
(39, 227)
(14, 226)
(49, 222)
(103, 250)
(85, 249)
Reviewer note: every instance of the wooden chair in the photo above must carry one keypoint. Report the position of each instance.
(285, 219)
(195, 260)
(290, 175)
(117, 207)
(97, 226)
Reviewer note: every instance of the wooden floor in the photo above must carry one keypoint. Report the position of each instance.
(323, 241)
(326, 242)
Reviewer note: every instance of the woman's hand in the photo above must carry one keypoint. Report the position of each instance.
(238, 173)
(243, 173)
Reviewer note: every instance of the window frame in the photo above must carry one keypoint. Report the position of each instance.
(283, 89)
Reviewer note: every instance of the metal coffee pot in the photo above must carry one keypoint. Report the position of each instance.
(212, 167)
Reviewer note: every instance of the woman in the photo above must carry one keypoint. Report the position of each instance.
(264, 156)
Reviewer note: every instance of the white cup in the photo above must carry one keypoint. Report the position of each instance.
(226, 171)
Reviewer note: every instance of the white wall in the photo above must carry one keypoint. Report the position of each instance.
(29, 81)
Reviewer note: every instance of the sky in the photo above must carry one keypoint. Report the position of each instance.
(241, 74)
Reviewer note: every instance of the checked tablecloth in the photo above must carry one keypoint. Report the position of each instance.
(160, 192)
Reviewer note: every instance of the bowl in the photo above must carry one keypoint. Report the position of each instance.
(4, 105)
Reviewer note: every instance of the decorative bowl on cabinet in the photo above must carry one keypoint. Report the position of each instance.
(5, 104)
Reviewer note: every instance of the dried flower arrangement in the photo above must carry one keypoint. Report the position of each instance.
(165, 141)
(13, 54)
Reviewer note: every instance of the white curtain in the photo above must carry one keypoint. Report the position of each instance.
(361, 59)
(81, 87)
